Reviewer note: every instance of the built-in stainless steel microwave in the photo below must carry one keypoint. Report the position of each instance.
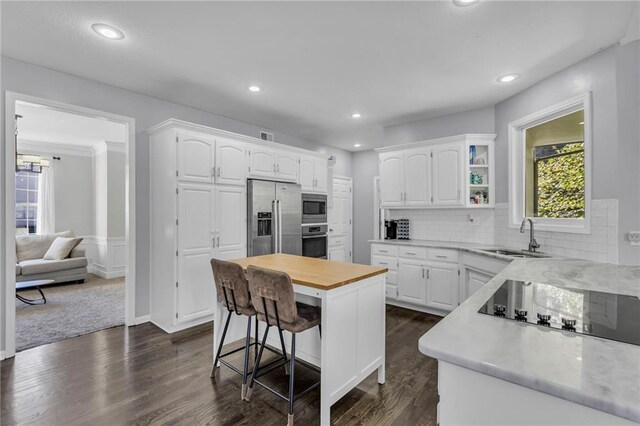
(314, 208)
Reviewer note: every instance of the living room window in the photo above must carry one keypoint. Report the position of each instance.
(549, 167)
(26, 202)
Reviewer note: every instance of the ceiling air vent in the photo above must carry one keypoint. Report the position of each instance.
(266, 136)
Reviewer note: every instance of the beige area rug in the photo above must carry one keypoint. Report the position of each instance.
(71, 310)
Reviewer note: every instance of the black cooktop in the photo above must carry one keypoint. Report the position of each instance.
(594, 313)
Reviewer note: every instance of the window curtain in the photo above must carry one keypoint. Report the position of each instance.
(45, 216)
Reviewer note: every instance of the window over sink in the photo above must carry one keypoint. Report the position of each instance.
(549, 167)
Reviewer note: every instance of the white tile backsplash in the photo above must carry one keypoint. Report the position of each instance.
(491, 227)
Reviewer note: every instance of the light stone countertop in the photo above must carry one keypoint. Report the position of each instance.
(466, 247)
(598, 373)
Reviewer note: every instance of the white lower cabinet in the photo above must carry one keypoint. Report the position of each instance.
(475, 280)
(442, 285)
(477, 271)
(412, 281)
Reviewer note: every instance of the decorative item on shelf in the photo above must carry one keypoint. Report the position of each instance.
(477, 197)
(485, 197)
(479, 161)
(403, 229)
(472, 154)
(476, 179)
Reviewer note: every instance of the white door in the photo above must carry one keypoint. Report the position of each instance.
(287, 166)
(412, 282)
(320, 174)
(475, 281)
(230, 222)
(391, 180)
(339, 214)
(231, 168)
(195, 290)
(262, 162)
(307, 177)
(442, 286)
(195, 158)
(447, 174)
(417, 178)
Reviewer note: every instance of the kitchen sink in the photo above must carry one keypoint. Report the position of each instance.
(514, 253)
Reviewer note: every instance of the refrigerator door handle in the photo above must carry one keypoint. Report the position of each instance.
(274, 209)
(279, 227)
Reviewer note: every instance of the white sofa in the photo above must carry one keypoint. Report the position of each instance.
(30, 265)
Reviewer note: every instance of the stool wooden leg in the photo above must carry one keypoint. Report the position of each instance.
(247, 348)
(247, 396)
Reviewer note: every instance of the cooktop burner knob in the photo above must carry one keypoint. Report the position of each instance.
(544, 317)
(499, 309)
(569, 322)
(520, 312)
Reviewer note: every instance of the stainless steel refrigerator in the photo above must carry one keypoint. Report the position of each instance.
(274, 213)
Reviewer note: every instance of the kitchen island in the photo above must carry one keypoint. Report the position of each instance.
(352, 298)
(497, 371)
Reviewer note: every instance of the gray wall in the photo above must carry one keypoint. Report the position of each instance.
(612, 77)
(73, 192)
(33, 80)
(365, 164)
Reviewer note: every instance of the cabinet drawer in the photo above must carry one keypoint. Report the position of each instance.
(443, 255)
(413, 252)
(337, 241)
(385, 262)
(384, 249)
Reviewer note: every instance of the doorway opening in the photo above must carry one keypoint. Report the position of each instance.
(70, 221)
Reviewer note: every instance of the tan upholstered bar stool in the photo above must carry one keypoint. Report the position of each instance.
(232, 291)
(273, 298)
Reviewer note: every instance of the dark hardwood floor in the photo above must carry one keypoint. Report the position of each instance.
(141, 375)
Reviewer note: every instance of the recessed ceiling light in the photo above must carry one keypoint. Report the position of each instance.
(356, 115)
(463, 3)
(107, 31)
(582, 122)
(357, 145)
(254, 89)
(508, 78)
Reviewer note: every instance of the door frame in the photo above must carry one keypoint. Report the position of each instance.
(11, 98)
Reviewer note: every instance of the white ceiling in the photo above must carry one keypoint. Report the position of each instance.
(317, 62)
(42, 124)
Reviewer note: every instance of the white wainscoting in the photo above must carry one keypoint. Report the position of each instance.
(107, 256)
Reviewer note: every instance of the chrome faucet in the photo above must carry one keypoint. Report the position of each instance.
(533, 244)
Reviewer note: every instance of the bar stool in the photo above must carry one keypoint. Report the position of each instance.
(233, 291)
(273, 298)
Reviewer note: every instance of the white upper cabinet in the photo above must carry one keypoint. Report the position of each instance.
(287, 166)
(447, 168)
(230, 224)
(438, 173)
(392, 179)
(313, 174)
(262, 162)
(195, 157)
(231, 168)
(417, 168)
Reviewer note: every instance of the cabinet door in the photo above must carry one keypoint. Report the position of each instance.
(287, 166)
(417, 179)
(195, 158)
(475, 280)
(320, 174)
(195, 289)
(442, 286)
(391, 180)
(230, 222)
(263, 162)
(231, 166)
(447, 174)
(412, 282)
(307, 177)
(338, 253)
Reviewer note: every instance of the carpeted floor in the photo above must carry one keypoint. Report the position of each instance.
(71, 310)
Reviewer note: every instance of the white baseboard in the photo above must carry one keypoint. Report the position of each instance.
(412, 307)
(100, 271)
(142, 319)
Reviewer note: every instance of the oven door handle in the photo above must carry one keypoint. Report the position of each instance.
(307, 237)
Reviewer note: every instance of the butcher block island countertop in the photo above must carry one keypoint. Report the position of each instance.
(317, 273)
